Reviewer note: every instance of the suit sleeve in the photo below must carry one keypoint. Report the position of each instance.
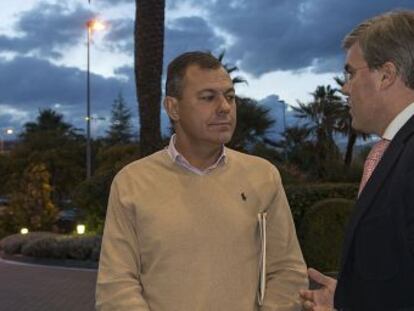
(410, 212)
(118, 285)
(286, 269)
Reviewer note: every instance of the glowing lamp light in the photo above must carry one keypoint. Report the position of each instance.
(95, 24)
(9, 131)
(80, 229)
(24, 231)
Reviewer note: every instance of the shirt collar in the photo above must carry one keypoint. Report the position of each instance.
(179, 159)
(398, 122)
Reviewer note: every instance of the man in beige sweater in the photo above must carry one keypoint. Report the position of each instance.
(198, 226)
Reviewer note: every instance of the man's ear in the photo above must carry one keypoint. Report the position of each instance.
(388, 75)
(171, 107)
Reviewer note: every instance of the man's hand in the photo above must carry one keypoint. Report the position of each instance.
(319, 299)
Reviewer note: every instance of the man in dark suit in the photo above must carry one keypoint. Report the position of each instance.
(377, 269)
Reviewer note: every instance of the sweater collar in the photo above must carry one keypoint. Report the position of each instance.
(179, 159)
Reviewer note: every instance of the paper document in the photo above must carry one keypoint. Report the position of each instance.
(262, 258)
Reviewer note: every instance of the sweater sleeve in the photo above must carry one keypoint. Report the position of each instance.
(285, 266)
(118, 285)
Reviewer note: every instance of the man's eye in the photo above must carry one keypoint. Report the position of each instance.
(207, 97)
(349, 75)
(230, 97)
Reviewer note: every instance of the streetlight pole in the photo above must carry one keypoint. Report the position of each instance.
(88, 104)
(91, 25)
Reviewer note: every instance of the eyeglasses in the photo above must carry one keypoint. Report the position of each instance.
(350, 72)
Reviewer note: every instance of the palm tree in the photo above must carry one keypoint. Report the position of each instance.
(149, 52)
(324, 115)
(253, 120)
(230, 69)
(297, 147)
(253, 123)
(57, 144)
(353, 135)
(47, 120)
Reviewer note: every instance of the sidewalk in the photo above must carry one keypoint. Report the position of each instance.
(27, 287)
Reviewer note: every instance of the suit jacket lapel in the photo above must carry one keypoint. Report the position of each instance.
(374, 184)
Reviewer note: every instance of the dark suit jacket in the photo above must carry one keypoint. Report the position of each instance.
(377, 270)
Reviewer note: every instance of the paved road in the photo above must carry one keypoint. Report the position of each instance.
(42, 288)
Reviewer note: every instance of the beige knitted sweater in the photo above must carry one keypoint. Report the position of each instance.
(177, 241)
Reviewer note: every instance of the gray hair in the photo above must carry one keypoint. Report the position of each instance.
(387, 38)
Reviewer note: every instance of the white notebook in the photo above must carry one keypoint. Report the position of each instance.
(262, 258)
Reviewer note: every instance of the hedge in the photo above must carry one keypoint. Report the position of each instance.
(13, 244)
(302, 197)
(49, 245)
(323, 231)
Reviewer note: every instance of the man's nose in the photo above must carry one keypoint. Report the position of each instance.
(224, 104)
(345, 88)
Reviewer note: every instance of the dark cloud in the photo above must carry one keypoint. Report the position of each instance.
(126, 72)
(181, 35)
(290, 35)
(111, 3)
(120, 36)
(268, 35)
(46, 29)
(190, 33)
(28, 84)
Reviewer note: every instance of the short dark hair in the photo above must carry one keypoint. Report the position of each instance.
(178, 66)
(387, 37)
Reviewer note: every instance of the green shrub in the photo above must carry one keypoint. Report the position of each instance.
(96, 251)
(13, 243)
(302, 196)
(291, 174)
(81, 248)
(337, 172)
(91, 196)
(49, 245)
(323, 232)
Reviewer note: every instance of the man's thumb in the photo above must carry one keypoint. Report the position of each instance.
(318, 277)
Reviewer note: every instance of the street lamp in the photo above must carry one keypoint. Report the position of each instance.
(80, 229)
(7, 132)
(91, 25)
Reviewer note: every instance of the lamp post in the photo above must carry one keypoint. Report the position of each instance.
(7, 132)
(91, 25)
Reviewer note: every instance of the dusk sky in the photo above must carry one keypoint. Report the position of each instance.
(282, 47)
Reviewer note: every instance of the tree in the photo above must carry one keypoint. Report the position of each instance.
(324, 114)
(298, 148)
(91, 195)
(120, 130)
(253, 122)
(230, 69)
(6, 170)
(31, 205)
(52, 141)
(352, 134)
(149, 51)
